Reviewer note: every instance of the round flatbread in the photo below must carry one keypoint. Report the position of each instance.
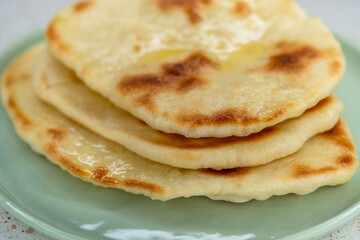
(60, 87)
(200, 68)
(326, 159)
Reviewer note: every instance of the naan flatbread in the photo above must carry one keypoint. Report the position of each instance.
(200, 68)
(59, 86)
(327, 159)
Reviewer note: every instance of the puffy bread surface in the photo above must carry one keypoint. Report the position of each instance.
(326, 159)
(200, 68)
(60, 87)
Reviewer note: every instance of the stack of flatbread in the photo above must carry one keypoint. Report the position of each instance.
(229, 99)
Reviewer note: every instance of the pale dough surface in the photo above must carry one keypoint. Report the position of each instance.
(240, 67)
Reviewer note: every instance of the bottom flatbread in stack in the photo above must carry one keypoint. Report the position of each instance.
(327, 159)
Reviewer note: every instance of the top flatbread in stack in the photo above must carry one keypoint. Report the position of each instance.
(226, 99)
(200, 68)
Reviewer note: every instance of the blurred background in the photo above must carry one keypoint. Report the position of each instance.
(21, 17)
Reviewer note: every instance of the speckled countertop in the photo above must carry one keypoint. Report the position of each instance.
(19, 17)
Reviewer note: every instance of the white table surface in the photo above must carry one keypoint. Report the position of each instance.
(19, 17)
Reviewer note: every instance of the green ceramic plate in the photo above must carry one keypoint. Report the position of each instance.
(61, 206)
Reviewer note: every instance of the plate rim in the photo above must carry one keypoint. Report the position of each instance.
(8, 56)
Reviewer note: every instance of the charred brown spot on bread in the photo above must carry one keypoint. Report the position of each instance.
(51, 32)
(190, 7)
(180, 77)
(101, 175)
(133, 183)
(43, 80)
(292, 58)
(346, 161)
(193, 15)
(189, 83)
(82, 6)
(234, 172)
(335, 68)
(137, 48)
(303, 171)
(229, 116)
(12, 80)
(182, 142)
(52, 151)
(222, 117)
(17, 113)
(24, 77)
(191, 66)
(146, 101)
(12, 77)
(243, 9)
(53, 36)
(8, 81)
(56, 134)
(340, 136)
(139, 82)
(145, 87)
